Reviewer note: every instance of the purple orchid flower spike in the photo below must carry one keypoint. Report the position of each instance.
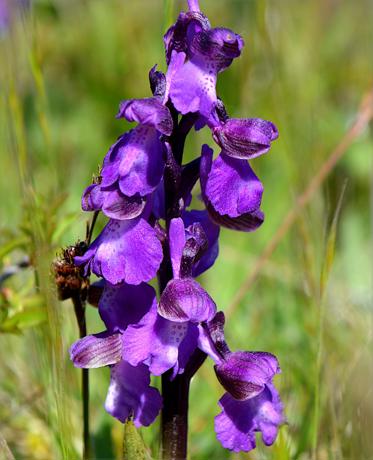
(146, 191)
(251, 403)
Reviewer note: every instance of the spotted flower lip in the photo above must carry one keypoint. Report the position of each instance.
(125, 251)
(245, 138)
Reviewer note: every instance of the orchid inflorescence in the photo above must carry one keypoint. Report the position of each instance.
(146, 192)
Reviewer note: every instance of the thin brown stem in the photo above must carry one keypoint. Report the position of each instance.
(79, 309)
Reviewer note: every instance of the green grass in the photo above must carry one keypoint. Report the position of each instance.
(306, 66)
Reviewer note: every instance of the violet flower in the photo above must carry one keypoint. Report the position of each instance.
(252, 402)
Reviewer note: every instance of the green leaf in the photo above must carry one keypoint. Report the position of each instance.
(133, 445)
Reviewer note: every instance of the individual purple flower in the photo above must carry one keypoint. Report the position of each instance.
(196, 53)
(129, 393)
(251, 403)
(231, 191)
(125, 251)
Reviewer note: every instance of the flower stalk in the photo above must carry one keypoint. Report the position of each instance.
(145, 191)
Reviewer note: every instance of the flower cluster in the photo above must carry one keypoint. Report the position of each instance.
(145, 191)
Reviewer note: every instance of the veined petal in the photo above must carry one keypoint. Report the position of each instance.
(245, 374)
(112, 202)
(232, 188)
(130, 394)
(248, 222)
(125, 251)
(216, 47)
(245, 138)
(186, 300)
(148, 111)
(96, 350)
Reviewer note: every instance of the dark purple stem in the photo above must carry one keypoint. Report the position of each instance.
(174, 424)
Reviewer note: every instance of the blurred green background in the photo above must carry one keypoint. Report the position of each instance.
(65, 65)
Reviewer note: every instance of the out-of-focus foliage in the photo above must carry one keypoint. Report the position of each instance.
(64, 68)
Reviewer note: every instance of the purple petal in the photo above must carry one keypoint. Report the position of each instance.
(193, 89)
(118, 206)
(232, 188)
(236, 425)
(96, 350)
(216, 48)
(177, 243)
(245, 374)
(186, 300)
(211, 231)
(136, 161)
(186, 348)
(247, 222)
(112, 202)
(179, 36)
(125, 251)
(149, 111)
(123, 305)
(245, 138)
(130, 395)
(157, 342)
(93, 198)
